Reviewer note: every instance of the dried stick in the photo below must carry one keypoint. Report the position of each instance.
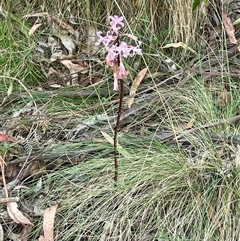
(9, 200)
(2, 163)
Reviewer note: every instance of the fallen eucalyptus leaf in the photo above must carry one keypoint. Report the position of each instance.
(135, 85)
(229, 28)
(66, 40)
(16, 215)
(177, 45)
(48, 224)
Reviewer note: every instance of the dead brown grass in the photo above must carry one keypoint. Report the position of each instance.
(152, 16)
(184, 21)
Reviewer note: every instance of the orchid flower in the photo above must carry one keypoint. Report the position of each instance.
(116, 49)
(116, 23)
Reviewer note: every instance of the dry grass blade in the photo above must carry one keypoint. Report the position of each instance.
(10, 199)
(2, 166)
(120, 149)
(1, 233)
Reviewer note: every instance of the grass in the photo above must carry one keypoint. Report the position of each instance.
(16, 51)
(180, 191)
(160, 191)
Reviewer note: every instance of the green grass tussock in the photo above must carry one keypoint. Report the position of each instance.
(17, 52)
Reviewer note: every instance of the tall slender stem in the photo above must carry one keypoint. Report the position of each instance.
(116, 131)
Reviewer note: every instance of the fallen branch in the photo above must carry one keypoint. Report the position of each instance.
(165, 137)
(9, 199)
(213, 73)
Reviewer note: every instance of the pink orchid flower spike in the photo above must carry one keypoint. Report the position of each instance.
(116, 48)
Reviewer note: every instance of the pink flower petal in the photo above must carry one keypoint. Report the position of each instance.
(115, 83)
(122, 73)
(116, 23)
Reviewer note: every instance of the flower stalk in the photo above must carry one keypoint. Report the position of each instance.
(117, 49)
